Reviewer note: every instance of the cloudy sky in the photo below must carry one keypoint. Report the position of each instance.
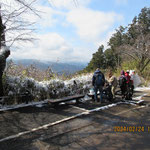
(72, 30)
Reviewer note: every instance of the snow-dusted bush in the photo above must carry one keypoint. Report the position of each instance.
(54, 88)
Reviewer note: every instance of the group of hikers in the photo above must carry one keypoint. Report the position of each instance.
(125, 83)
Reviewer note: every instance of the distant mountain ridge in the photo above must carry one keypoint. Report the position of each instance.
(60, 68)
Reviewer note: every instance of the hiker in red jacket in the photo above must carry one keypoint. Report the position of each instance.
(128, 77)
(129, 84)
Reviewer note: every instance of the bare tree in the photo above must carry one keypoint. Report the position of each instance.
(2, 28)
(13, 25)
(139, 51)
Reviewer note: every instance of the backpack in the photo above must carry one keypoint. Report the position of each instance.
(99, 80)
(122, 81)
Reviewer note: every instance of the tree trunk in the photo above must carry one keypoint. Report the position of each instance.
(148, 61)
(2, 32)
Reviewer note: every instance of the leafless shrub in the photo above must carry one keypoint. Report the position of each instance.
(30, 71)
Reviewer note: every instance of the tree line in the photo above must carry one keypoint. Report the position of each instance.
(127, 44)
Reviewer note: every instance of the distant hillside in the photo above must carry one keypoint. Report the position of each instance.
(60, 68)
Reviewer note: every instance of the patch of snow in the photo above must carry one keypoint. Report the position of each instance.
(139, 97)
(39, 105)
(11, 107)
(142, 88)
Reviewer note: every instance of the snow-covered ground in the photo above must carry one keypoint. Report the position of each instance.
(55, 88)
(142, 88)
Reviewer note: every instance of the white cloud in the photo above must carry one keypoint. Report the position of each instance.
(46, 18)
(46, 14)
(48, 47)
(51, 47)
(90, 24)
(68, 4)
(104, 41)
(82, 54)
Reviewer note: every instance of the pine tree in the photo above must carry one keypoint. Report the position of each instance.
(98, 60)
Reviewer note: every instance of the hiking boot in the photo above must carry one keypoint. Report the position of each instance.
(95, 100)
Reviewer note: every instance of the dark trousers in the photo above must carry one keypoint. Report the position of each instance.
(123, 90)
(96, 89)
(132, 87)
(1, 85)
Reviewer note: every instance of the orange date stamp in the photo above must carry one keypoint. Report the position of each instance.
(131, 129)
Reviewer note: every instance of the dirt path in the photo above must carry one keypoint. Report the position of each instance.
(122, 126)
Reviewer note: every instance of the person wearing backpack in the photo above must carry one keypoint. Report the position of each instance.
(98, 82)
(129, 84)
(122, 83)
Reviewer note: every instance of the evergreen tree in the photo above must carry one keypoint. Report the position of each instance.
(116, 41)
(98, 60)
(110, 59)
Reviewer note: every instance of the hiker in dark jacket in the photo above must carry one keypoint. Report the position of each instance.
(98, 82)
(4, 53)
